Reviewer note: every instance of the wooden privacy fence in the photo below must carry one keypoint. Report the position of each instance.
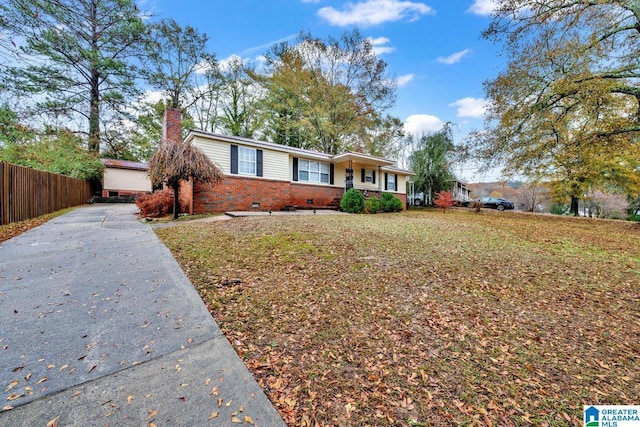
(27, 193)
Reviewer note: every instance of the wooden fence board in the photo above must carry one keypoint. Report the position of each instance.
(27, 193)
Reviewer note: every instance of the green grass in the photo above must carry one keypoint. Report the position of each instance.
(425, 317)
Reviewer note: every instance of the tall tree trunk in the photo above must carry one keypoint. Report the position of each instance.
(176, 199)
(94, 102)
(574, 206)
(94, 114)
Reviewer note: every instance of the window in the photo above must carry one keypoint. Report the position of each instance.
(368, 176)
(246, 161)
(391, 182)
(311, 171)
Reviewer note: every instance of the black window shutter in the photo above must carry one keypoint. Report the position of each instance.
(234, 159)
(362, 175)
(374, 177)
(295, 168)
(395, 182)
(386, 181)
(331, 172)
(258, 162)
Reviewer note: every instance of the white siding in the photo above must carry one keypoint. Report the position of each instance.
(126, 180)
(219, 152)
(275, 164)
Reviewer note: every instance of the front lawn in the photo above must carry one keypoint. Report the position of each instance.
(425, 317)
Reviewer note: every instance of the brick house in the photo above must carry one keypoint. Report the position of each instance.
(265, 176)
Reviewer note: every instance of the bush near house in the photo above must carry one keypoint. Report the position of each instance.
(352, 201)
(159, 203)
(390, 203)
(372, 205)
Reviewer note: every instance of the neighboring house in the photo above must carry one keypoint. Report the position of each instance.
(124, 180)
(461, 192)
(265, 176)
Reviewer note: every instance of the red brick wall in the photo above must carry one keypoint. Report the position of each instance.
(172, 125)
(318, 195)
(239, 194)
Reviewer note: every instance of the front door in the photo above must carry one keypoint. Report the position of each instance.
(348, 180)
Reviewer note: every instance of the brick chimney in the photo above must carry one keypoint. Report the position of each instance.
(172, 125)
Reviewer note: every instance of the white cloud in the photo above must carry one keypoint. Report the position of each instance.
(152, 96)
(378, 45)
(470, 107)
(403, 80)
(416, 124)
(483, 7)
(453, 58)
(367, 13)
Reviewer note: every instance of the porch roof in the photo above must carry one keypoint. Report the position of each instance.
(362, 159)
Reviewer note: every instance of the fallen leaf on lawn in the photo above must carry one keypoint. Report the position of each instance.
(184, 384)
(228, 403)
(248, 420)
(19, 368)
(236, 420)
(76, 394)
(207, 381)
(91, 368)
(220, 400)
(28, 376)
(41, 380)
(63, 367)
(214, 415)
(7, 408)
(129, 399)
(152, 425)
(152, 414)
(53, 422)
(214, 391)
(11, 385)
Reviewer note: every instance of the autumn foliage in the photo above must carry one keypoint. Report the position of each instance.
(159, 203)
(444, 200)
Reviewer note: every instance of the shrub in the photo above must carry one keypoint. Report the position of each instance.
(476, 205)
(443, 200)
(390, 203)
(559, 209)
(372, 205)
(158, 203)
(352, 201)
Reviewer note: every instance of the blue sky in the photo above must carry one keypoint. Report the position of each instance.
(432, 47)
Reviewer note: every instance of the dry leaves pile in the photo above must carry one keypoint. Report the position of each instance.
(425, 318)
(16, 228)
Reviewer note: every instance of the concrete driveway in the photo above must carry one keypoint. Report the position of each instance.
(100, 326)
